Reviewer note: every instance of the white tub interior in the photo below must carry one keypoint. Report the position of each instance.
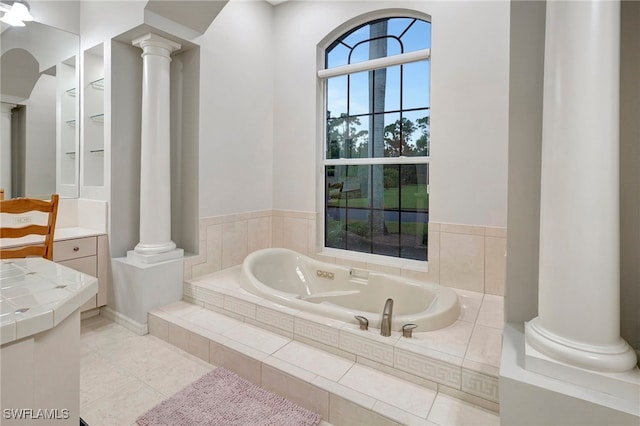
(338, 292)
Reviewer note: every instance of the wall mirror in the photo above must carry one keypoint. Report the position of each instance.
(40, 105)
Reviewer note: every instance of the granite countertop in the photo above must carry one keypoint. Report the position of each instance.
(37, 294)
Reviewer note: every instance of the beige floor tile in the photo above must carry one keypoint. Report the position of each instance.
(491, 311)
(99, 378)
(121, 407)
(257, 338)
(452, 340)
(396, 392)
(143, 355)
(314, 360)
(450, 411)
(169, 379)
(212, 321)
(107, 336)
(180, 308)
(343, 412)
(302, 393)
(485, 345)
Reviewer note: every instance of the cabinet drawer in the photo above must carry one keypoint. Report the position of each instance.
(87, 265)
(72, 249)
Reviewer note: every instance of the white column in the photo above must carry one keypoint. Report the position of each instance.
(578, 319)
(155, 171)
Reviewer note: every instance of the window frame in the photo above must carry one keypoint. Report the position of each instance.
(323, 74)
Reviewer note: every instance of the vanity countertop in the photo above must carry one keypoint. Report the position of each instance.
(59, 235)
(37, 294)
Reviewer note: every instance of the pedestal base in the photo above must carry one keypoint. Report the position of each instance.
(141, 287)
(621, 385)
(135, 256)
(615, 358)
(529, 398)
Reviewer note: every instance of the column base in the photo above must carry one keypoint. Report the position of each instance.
(147, 249)
(135, 256)
(139, 288)
(530, 398)
(617, 358)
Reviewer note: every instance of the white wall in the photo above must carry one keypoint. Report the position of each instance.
(236, 110)
(102, 20)
(525, 150)
(630, 173)
(59, 14)
(469, 96)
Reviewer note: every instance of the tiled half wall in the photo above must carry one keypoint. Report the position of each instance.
(468, 257)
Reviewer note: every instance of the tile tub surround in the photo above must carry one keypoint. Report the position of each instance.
(460, 256)
(335, 386)
(462, 359)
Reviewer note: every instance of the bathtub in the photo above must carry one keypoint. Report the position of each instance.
(299, 282)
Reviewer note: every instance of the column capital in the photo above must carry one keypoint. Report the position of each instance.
(154, 40)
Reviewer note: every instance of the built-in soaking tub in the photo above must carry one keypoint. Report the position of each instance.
(291, 279)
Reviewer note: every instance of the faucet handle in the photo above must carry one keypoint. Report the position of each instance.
(364, 323)
(407, 330)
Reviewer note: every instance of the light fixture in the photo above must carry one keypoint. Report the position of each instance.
(15, 13)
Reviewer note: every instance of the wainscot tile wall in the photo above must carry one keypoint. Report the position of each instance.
(462, 256)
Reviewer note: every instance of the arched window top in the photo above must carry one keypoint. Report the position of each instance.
(380, 38)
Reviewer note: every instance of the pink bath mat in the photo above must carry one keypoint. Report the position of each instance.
(224, 398)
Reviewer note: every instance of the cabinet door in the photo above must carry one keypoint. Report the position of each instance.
(89, 266)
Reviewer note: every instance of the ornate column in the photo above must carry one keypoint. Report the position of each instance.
(155, 171)
(578, 319)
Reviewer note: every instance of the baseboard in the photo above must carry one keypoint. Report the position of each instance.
(126, 322)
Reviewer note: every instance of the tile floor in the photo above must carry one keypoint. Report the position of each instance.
(123, 375)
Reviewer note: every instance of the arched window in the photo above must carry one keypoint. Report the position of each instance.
(377, 137)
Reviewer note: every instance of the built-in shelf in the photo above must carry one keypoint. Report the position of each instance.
(97, 84)
(71, 92)
(98, 118)
(71, 123)
(96, 151)
(71, 154)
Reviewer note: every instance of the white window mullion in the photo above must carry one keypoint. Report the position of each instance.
(374, 161)
(374, 64)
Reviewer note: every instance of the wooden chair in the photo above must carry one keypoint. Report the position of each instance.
(9, 228)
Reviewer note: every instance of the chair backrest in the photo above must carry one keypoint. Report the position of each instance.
(9, 228)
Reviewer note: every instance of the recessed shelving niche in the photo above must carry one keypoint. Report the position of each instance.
(94, 107)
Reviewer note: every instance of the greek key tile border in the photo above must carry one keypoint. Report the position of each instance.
(238, 306)
(320, 333)
(367, 348)
(427, 368)
(209, 296)
(480, 385)
(274, 318)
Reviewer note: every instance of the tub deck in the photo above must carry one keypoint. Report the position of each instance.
(461, 360)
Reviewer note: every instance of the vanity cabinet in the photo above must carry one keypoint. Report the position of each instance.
(88, 255)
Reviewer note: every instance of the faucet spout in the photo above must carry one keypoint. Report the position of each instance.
(387, 312)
